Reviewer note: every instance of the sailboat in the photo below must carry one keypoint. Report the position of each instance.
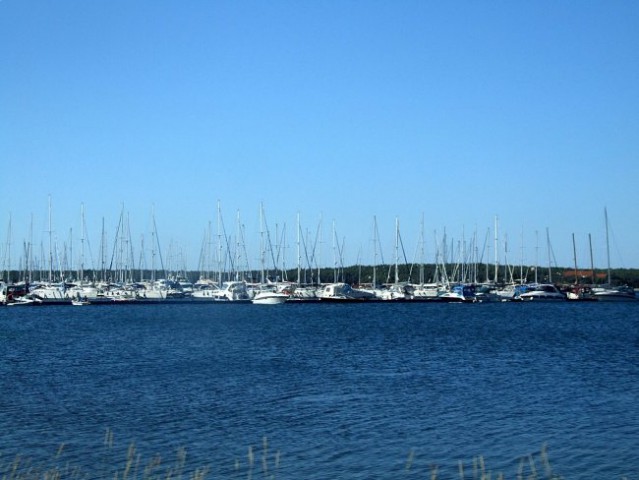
(608, 292)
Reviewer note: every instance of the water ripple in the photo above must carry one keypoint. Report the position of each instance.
(341, 390)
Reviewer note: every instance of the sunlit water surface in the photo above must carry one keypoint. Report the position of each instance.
(321, 391)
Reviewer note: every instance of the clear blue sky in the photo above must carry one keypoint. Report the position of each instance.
(337, 110)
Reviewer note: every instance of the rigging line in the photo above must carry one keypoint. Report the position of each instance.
(315, 242)
(401, 243)
(268, 241)
(157, 240)
(115, 244)
(228, 257)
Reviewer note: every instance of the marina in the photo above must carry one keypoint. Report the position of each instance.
(319, 240)
(274, 293)
(465, 273)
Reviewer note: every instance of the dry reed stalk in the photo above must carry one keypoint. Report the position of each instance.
(179, 466)
(546, 462)
(200, 473)
(60, 449)
(21, 468)
(251, 462)
(108, 438)
(409, 460)
(14, 469)
(265, 456)
(482, 466)
(151, 466)
(533, 468)
(130, 457)
(520, 469)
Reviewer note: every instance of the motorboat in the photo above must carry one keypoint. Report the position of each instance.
(234, 291)
(542, 292)
(463, 293)
(25, 300)
(209, 292)
(306, 293)
(343, 292)
(623, 293)
(271, 297)
(580, 293)
(391, 292)
(82, 291)
(50, 294)
(426, 291)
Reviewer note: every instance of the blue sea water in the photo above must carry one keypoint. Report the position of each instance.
(321, 391)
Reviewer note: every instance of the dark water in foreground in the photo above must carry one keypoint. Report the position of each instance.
(341, 391)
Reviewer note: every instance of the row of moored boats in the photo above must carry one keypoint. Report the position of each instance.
(179, 289)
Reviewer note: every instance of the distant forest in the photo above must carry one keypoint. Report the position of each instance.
(356, 275)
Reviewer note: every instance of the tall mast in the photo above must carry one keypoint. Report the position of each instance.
(30, 252)
(120, 265)
(536, 256)
(50, 245)
(396, 250)
(548, 247)
(574, 255)
(69, 267)
(262, 247)
(374, 251)
(496, 251)
(8, 252)
(506, 265)
(153, 244)
(103, 253)
(219, 244)
(421, 263)
(82, 228)
(284, 246)
(206, 264)
(208, 253)
(607, 246)
(299, 251)
(487, 254)
(334, 255)
(521, 263)
(319, 252)
(238, 251)
(592, 263)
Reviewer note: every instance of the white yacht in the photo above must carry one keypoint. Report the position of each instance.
(82, 291)
(622, 293)
(389, 292)
(464, 293)
(270, 297)
(305, 293)
(208, 292)
(426, 291)
(234, 291)
(50, 293)
(542, 292)
(341, 292)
